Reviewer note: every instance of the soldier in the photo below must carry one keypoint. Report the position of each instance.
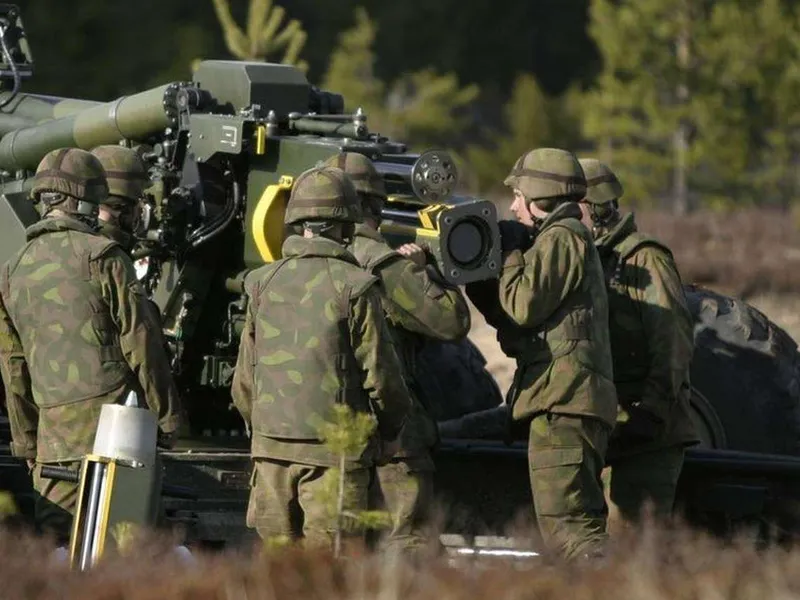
(555, 325)
(75, 333)
(419, 305)
(127, 178)
(652, 343)
(314, 336)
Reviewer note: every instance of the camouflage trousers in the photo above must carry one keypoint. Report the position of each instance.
(56, 502)
(636, 480)
(565, 459)
(404, 488)
(297, 503)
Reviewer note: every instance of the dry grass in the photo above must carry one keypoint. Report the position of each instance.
(742, 253)
(652, 563)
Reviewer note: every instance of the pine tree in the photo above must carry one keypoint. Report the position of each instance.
(421, 108)
(345, 436)
(532, 119)
(262, 37)
(686, 102)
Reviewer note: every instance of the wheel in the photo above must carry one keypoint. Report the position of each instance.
(452, 380)
(746, 371)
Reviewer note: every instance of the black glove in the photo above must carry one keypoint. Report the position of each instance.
(514, 236)
(641, 424)
(166, 441)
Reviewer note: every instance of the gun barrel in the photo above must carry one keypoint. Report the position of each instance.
(136, 117)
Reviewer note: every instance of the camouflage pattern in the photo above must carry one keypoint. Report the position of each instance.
(366, 179)
(315, 335)
(323, 194)
(73, 172)
(126, 173)
(545, 173)
(639, 481)
(552, 319)
(556, 295)
(127, 177)
(72, 303)
(602, 184)
(652, 343)
(405, 489)
(652, 338)
(565, 460)
(276, 485)
(419, 306)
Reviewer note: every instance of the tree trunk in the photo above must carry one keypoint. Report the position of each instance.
(680, 189)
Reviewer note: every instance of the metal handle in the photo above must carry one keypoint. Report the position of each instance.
(65, 474)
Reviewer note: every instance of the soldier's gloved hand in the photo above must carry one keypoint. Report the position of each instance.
(514, 236)
(642, 424)
(388, 451)
(166, 441)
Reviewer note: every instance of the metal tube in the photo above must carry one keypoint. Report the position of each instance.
(349, 130)
(135, 117)
(393, 169)
(91, 514)
(40, 107)
(97, 529)
(410, 217)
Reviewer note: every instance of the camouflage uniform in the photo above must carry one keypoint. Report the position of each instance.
(652, 343)
(555, 297)
(419, 304)
(75, 332)
(314, 336)
(126, 173)
(127, 178)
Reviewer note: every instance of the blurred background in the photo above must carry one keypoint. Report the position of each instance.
(694, 103)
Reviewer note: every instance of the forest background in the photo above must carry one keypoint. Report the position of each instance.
(694, 103)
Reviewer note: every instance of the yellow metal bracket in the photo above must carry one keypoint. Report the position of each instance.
(267, 225)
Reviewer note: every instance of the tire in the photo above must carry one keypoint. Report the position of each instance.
(746, 370)
(452, 380)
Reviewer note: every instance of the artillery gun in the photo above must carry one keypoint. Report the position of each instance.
(224, 149)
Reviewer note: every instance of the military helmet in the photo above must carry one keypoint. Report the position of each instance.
(126, 173)
(550, 175)
(361, 172)
(72, 172)
(323, 194)
(601, 184)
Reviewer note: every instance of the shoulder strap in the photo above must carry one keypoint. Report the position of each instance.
(371, 254)
(631, 244)
(627, 248)
(276, 267)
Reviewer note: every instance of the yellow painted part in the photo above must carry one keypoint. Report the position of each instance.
(261, 139)
(267, 225)
(431, 233)
(74, 542)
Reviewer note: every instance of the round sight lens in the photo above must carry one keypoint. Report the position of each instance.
(466, 243)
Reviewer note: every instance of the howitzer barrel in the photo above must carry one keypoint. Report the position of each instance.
(38, 107)
(136, 117)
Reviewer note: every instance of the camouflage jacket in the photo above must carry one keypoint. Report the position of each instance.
(418, 307)
(556, 293)
(652, 338)
(314, 336)
(77, 334)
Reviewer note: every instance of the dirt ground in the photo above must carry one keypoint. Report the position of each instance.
(783, 310)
